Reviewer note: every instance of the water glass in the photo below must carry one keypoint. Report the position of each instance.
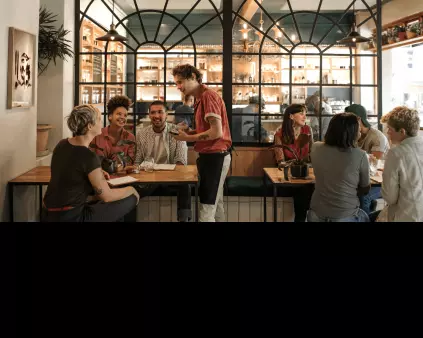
(149, 164)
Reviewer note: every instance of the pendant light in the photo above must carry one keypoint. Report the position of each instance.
(354, 36)
(112, 34)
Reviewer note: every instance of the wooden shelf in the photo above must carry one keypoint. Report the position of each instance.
(400, 43)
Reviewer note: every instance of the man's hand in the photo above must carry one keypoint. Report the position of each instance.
(105, 174)
(183, 136)
(183, 126)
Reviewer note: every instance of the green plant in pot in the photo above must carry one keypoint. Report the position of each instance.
(298, 166)
(52, 42)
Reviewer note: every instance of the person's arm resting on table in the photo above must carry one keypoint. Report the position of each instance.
(104, 193)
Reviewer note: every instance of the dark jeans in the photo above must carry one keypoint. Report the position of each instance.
(93, 212)
(183, 199)
(302, 197)
(366, 200)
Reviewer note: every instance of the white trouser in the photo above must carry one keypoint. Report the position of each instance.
(216, 212)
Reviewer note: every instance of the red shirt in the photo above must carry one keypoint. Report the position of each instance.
(288, 155)
(210, 104)
(109, 150)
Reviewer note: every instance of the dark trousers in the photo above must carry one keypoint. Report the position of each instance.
(93, 212)
(183, 199)
(302, 197)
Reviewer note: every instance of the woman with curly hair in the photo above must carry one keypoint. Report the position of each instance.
(114, 139)
(402, 186)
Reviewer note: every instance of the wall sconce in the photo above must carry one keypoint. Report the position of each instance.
(244, 31)
(277, 31)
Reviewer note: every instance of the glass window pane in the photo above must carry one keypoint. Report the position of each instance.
(366, 96)
(245, 128)
(245, 69)
(241, 94)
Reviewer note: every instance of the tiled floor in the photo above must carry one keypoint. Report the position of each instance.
(237, 209)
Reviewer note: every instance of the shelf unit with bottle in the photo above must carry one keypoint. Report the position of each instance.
(92, 66)
(150, 74)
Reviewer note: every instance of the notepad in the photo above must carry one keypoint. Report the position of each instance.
(164, 166)
(121, 180)
(161, 166)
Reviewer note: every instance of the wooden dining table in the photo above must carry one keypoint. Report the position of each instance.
(40, 176)
(278, 179)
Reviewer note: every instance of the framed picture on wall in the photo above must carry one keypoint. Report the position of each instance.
(21, 70)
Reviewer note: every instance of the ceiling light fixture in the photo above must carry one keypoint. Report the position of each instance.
(112, 34)
(354, 36)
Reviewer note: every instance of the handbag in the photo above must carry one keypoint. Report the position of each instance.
(383, 215)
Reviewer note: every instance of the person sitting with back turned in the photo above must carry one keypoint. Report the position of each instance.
(342, 173)
(155, 141)
(185, 113)
(374, 143)
(114, 139)
(76, 173)
(293, 125)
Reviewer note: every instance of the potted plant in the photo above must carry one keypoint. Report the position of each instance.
(391, 36)
(298, 166)
(413, 30)
(42, 139)
(401, 33)
(52, 42)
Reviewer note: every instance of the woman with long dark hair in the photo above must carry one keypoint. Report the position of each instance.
(293, 125)
(342, 173)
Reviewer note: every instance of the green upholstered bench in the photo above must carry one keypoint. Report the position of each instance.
(246, 186)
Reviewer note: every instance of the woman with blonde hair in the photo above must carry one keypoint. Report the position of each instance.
(402, 186)
(76, 173)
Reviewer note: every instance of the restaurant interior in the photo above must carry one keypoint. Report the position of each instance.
(260, 56)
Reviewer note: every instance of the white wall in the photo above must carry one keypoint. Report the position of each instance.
(17, 126)
(56, 84)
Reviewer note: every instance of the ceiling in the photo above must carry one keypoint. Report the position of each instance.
(175, 6)
(274, 6)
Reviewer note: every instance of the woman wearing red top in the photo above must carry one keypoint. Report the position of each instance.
(294, 124)
(114, 138)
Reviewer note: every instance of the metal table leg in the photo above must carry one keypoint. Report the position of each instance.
(40, 192)
(275, 209)
(11, 211)
(264, 200)
(196, 202)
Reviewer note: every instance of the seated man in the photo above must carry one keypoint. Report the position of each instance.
(185, 112)
(155, 141)
(373, 142)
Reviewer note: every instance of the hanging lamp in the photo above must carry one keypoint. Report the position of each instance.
(353, 36)
(112, 34)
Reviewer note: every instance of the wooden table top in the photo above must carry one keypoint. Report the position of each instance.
(188, 174)
(277, 177)
(37, 175)
(181, 174)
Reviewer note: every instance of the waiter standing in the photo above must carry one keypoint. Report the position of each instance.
(212, 139)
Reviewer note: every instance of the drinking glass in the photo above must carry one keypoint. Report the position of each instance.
(373, 161)
(149, 164)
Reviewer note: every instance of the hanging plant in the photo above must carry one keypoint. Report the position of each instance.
(52, 42)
